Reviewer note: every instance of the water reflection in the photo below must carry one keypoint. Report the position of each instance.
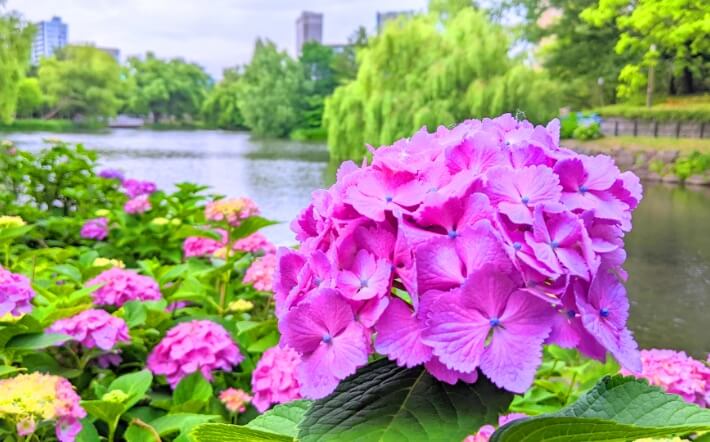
(669, 248)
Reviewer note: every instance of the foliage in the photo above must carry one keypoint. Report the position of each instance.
(35, 124)
(345, 64)
(589, 132)
(617, 408)
(166, 89)
(657, 31)
(418, 74)
(81, 81)
(15, 43)
(319, 82)
(221, 106)
(56, 191)
(693, 164)
(270, 91)
(699, 112)
(29, 98)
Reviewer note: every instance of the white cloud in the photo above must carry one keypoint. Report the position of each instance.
(214, 33)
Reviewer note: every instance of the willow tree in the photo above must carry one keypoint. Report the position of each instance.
(15, 43)
(431, 70)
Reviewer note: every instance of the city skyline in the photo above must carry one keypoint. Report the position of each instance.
(228, 28)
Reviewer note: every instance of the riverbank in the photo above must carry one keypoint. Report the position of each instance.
(54, 126)
(670, 160)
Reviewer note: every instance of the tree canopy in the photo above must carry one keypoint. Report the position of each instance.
(422, 72)
(81, 80)
(15, 43)
(221, 107)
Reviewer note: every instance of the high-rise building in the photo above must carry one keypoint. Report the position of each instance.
(384, 17)
(51, 36)
(309, 27)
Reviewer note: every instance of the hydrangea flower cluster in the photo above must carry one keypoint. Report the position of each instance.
(8, 222)
(28, 399)
(274, 381)
(231, 210)
(118, 286)
(196, 246)
(235, 400)
(485, 432)
(16, 293)
(134, 188)
(96, 228)
(112, 174)
(260, 273)
(676, 373)
(93, 329)
(191, 346)
(464, 249)
(137, 205)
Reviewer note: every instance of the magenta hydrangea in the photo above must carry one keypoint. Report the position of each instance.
(197, 246)
(117, 286)
(16, 293)
(137, 205)
(254, 243)
(502, 239)
(485, 432)
(111, 174)
(93, 329)
(96, 228)
(193, 346)
(134, 188)
(260, 273)
(274, 380)
(676, 373)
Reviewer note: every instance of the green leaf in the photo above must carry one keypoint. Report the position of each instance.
(69, 271)
(385, 402)
(6, 370)
(282, 419)
(192, 393)
(135, 385)
(36, 341)
(88, 432)
(134, 313)
(249, 226)
(264, 343)
(106, 411)
(234, 433)
(14, 232)
(617, 408)
(172, 423)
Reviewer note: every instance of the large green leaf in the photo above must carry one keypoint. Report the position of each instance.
(36, 341)
(135, 385)
(106, 411)
(385, 402)
(282, 419)
(249, 226)
(616, 409)
(191, 394)
(234, 433)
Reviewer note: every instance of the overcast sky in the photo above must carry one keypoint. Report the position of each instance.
(214, 33)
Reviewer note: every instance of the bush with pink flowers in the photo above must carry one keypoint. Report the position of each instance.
(117, 286)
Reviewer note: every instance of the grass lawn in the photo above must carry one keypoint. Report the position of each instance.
(685, 146)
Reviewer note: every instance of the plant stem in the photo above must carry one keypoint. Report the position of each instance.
(571, 386)
(228, 274)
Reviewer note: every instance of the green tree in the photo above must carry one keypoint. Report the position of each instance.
(81, 80)
(427, 73)
(221, 107)
(316, 61)
(345, 64)
(172, 89)
(271, 94)
(15, 43)
(29, 98)
(658, 32)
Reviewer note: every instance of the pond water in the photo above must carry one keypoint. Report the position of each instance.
(669, 248)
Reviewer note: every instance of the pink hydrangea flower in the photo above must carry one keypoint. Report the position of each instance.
(93, 329)
(676, 373)
(254, 243)
(260, 273)
(16, 293)
(503, 240)
(118, 286)
(231, 210)
(111, 174)
(235, 400)
(137, 205)
(196, 246)
(96, 228)
(485, 432)
(274, 381)
(193, 346)
(135, 188)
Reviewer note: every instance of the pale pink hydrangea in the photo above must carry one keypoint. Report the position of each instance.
(196, 246)
(118, 286)
(137, 205)
(491, 228)
(260, 273)
(254, 243)
(96, 228)
(274, 380)
(231, 210)
(93, 329)
(235, 400)
(677, 373)
(16, 293)
(193, 346)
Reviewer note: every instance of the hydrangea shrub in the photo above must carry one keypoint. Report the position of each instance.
(116, 286)
(465, 250)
